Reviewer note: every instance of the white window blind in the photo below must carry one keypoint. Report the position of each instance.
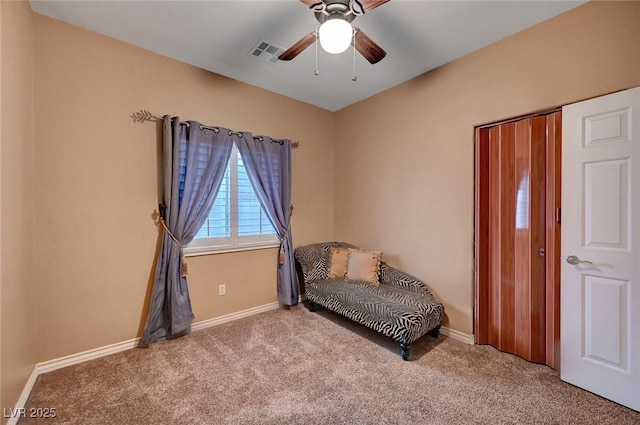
(236, 220)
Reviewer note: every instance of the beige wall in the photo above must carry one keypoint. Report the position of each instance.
(404, 158)
(17, 212)
(96, 184)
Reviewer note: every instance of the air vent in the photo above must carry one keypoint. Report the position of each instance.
(265, 52)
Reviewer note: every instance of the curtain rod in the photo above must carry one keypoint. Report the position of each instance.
(143, 116)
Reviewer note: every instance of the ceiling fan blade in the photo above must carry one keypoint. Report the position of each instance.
(363, 6)
(368, 48)
(315, 5)
(298, 47)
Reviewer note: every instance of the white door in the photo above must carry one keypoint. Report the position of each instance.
(600, 302)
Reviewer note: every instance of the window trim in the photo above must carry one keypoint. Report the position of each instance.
(225, 249)
(234, 242)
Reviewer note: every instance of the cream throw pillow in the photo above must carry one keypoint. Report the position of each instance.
(364, 266)
(338, 262)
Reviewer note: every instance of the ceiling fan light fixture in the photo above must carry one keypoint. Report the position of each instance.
(335, 35)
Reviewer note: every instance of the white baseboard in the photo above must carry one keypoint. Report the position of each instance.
(233, 316)
(458, 336)
(26, 391)
(96, 353)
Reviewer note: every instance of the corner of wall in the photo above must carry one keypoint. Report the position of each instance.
(334, 144)
(17, 203)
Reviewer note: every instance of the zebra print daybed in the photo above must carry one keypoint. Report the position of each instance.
(400, 306)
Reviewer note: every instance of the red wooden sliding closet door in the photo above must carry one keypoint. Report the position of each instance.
(515, 196)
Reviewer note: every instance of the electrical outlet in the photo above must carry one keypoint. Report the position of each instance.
(222, 289)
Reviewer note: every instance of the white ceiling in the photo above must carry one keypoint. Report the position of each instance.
(218, 35)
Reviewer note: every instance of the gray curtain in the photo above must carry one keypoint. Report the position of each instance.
(268, 165)
(195, 160)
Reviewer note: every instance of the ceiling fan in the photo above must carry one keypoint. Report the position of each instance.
(336, 33)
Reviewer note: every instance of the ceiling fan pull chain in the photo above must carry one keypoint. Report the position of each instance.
(355, 77)
(316, 72)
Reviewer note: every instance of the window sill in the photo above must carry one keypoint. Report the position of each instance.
(196, 252)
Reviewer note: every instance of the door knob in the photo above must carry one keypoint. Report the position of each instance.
(574, 261)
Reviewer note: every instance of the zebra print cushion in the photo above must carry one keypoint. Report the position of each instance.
(401, 307)
(314, 259)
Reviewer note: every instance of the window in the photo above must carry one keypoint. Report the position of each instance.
(522, 203)
(236, 220)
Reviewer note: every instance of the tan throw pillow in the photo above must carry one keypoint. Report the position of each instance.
(338, 262)
(364, 266)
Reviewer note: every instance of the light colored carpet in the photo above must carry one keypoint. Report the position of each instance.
(297, 367)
